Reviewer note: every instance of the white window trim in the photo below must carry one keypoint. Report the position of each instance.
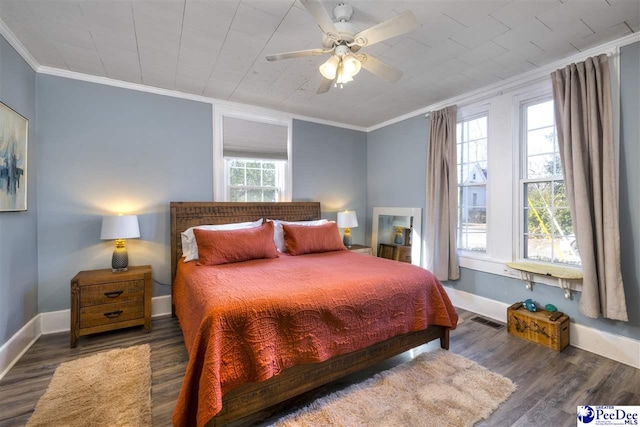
(219, 169)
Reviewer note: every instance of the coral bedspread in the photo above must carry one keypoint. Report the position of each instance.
(248, 321)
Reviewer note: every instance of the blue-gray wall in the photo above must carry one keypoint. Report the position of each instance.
(18, 230)
(330, 167)
(107, 150)
(396, 166)
(397, 157)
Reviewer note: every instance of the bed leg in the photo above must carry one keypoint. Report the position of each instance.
(444, 339)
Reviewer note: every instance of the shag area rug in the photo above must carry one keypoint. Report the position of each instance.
(111, 388)
(437, 389)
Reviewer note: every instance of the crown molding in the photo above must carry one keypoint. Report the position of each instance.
(18, 46)
(216, 103)
(516, 82)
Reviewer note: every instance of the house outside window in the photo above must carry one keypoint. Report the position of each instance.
(471, 137)
(547, 231)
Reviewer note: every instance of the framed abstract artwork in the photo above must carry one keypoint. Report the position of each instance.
(14, 129)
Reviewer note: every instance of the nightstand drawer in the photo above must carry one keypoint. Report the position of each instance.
(111, 313)
(108, 293)
(404, 254)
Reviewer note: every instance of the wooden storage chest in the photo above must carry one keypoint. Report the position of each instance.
(536, 326)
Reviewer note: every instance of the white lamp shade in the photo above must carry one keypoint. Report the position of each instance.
(347, 219)
(401, 221)
(120, 227)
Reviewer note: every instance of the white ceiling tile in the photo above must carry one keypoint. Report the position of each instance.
(519, 56)
(493, 68)
(254, 22)
(556, 42)
(571, 11)
(80, 59)
(469, 12)
(482, 53)
(530, 30)
(518, 12)
(485, 29)
(444, 51)
(121, 39)
(61, 33)
(160, 80)
(157, 38)
(602, 36)
(219, 88)
(60, 12)
(200, 42)
(277, 8)
(621, 11)
(16, 11)
(436, 30)
(206, 18)
(117, 15)
(161, 14)
(46, 53)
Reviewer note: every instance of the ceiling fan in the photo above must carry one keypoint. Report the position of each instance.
(343, 44)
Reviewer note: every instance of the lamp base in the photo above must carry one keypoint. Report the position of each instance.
(346, 240)
(119, 260)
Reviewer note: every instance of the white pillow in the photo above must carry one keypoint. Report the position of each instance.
(189, 245)
(278, 232)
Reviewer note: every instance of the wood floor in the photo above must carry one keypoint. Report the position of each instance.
(550, 384)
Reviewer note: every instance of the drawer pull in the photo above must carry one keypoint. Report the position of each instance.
(113, 314)
(113, 294)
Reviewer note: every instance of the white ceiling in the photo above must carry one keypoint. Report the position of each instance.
(217, 48)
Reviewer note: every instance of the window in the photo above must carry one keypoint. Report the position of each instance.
(254, 180)
(472, 184)
(251, 158)
(547, 232)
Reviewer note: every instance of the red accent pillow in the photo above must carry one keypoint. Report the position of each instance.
(302, 239)
(225, 246)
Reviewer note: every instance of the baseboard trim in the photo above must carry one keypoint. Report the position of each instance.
(54, 322)
(615, 347)
(18, 344)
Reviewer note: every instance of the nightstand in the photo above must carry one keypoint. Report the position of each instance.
(361, 249)
(400, 253)
(102, 300)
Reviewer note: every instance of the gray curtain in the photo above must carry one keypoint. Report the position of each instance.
(442, 195)
(584, 119)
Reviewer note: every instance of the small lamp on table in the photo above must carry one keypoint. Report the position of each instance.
(347, 220)
(118, 228)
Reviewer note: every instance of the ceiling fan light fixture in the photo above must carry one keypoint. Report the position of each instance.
(351, 66)
(330, 67)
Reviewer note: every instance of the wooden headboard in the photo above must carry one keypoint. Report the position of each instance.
(191, 214)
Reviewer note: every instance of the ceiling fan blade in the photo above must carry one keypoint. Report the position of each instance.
(321, 16)
(297, 54)
(398, 25)
(325, 85)
(379, 68)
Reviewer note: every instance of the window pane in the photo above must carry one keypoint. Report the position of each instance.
(270, 196)
(566, 250)
(477, 150)
(477, 128)
(237, 195)
(563, 221)
(560, 195)
(540, 115)
(254, 195)
(540, 166)
(538, 194)
(541, 141)
(253, 164)
(538, 247)
(269, 177)
(237, 163)
(253, 177)
(269, 165)
(236, 176)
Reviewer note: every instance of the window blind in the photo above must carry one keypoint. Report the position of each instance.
(256, 140)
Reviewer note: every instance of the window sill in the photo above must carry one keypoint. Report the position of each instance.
(492, 266)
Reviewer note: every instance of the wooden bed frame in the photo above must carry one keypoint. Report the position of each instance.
(240, 403)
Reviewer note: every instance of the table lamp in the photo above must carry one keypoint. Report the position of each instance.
(347, 220)
(120, 227)
(399, 223)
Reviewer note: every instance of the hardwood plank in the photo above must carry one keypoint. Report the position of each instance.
(550, 384)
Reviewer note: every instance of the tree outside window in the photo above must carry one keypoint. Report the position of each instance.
(548, 232)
